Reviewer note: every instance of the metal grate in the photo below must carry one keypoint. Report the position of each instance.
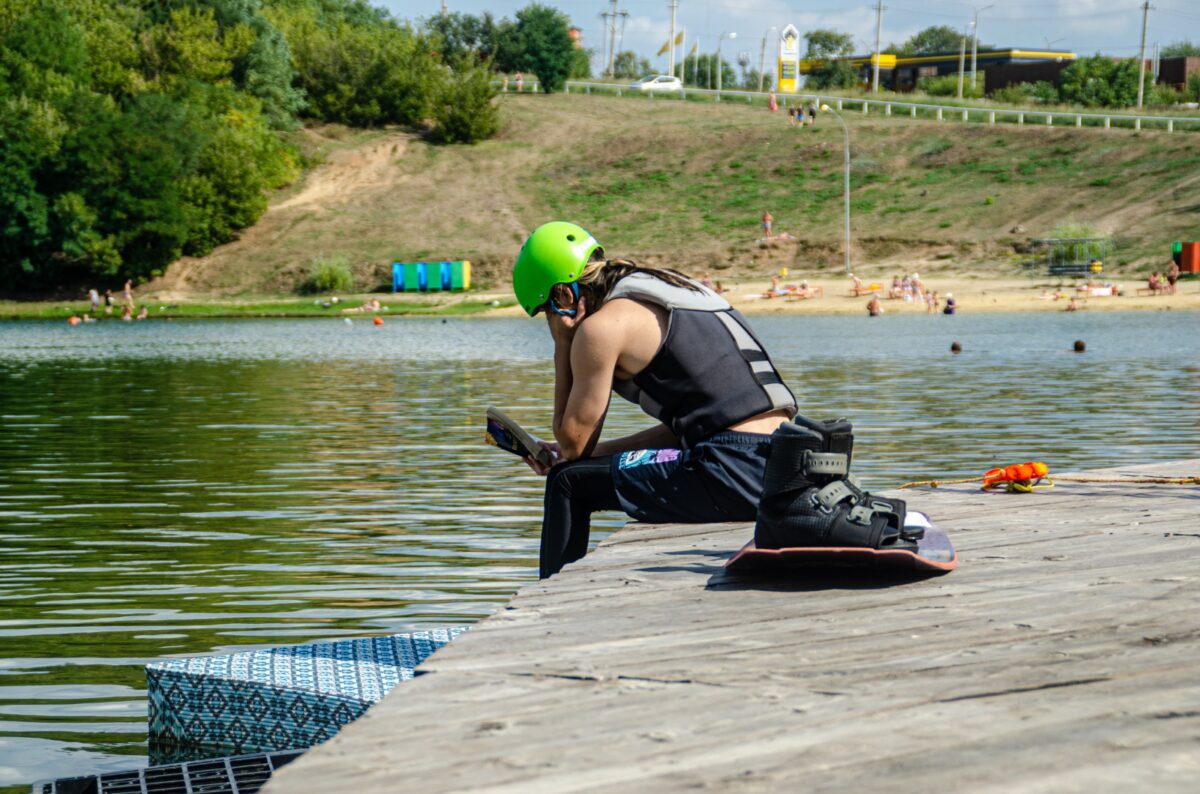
(243, 774)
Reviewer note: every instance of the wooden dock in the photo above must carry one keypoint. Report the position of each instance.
(1062, 655)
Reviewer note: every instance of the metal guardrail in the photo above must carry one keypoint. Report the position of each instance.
(889, 107)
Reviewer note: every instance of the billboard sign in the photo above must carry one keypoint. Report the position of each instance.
(789, 60)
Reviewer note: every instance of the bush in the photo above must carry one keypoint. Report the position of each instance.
(947, 85)
(1164, 96)
(1073, 230)
(833, 74)
(1099, 82)
(329, 275)
(1041, 92)
(463, 108)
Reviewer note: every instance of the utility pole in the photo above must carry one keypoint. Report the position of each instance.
(1141, 65)
(611, 18)
(879, 9)
(762, 57)
(608, 26)
(671, 57)
(445, 10)
(624, 15)
(962, 57)
(975, 41)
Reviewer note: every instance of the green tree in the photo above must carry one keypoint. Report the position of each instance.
(32, 132)
(581, 64)
(44, 54)
(701, 71)
(751, 81)
(827, 44)
(830, 48)
(935, 39)
(461, 34)
(190, 46)
(1099, 81)
(264, 70)
(1180, 49)
(464, 110)
(362, 74)
(546, 45)
(627, 65)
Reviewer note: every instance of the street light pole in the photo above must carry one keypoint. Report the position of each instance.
(846, 186)
(962, 49)
(975, 41)
(762, 56)
(719, 70)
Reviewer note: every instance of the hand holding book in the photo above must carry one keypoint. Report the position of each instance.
(506, 434)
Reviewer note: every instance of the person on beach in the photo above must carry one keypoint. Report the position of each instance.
(874, 307)
(143, 313)
(128, 296)
(519, 80)
(767, 220)
(108, 301)
(94, 300)
(951, 304)
(1172, 277)
(675, 348)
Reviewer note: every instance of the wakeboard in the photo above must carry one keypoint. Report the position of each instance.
(934, 555)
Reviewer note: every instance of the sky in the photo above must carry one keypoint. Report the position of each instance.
(1085, 27)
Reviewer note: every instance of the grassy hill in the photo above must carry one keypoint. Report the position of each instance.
(685, 184)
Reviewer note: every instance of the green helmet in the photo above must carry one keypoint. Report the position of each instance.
(555, 253)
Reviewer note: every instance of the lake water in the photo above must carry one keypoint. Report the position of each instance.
(191, 487)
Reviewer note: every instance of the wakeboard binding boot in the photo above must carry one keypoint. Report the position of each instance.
(809, 498)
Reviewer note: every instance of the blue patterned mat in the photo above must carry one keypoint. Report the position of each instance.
(278, 698)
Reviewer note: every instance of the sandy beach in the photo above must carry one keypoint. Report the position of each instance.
(972, 294)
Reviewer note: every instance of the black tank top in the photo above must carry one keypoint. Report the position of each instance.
(710, 373)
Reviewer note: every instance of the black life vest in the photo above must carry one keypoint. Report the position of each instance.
(710, 372)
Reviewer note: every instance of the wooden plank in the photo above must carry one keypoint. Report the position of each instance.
(1063, 655)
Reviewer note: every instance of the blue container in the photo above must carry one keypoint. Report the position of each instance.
(423, 276)
(446, 271)
(397, 277)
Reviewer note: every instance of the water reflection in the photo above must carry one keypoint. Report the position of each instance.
(190, 487)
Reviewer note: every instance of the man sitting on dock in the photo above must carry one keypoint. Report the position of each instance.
(675, 348)
(688, 359)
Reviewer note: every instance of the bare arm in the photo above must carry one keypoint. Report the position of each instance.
(593, 359)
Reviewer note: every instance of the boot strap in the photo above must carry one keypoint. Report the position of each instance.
(864, 508)
(826, 464)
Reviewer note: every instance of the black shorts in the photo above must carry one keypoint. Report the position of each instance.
(719, 479)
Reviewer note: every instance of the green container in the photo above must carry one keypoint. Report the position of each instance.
(1177, 252)
(460, 275)
(411, 276)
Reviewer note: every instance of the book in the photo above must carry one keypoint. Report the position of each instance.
(509, 436)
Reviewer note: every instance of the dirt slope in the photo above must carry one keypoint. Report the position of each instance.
(685, 184)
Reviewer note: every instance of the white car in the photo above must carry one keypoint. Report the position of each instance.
(658, 82)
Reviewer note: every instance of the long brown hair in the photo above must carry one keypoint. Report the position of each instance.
(600, 275)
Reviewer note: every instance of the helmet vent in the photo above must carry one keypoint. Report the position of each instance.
(571, 237)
